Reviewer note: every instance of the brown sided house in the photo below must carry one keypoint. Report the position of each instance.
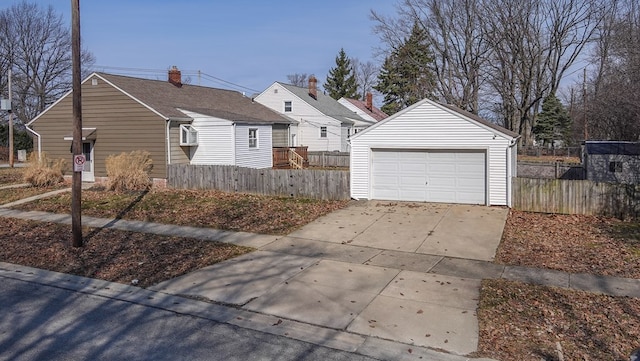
(176, 123)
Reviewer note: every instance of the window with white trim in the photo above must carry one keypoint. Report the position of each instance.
(323, 132)
(287, 106)
(253, 138)
(188, 135)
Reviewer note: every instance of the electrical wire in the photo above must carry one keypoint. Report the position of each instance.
(162, 72)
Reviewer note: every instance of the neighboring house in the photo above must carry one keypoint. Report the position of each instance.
(431, 152)
(323, 123)
(370, 114)
(174, 122)
(612, 161)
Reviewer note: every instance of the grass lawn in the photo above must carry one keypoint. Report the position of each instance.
(213, 209)
(520, 321)
(108, 254)
(517, 321)
(11, 176)
(549, 159)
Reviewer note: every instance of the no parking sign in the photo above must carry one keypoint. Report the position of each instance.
(78, 162)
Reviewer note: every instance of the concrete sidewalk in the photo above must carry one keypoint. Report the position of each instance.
(407, 273)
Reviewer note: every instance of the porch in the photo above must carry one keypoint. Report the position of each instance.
(290, 157)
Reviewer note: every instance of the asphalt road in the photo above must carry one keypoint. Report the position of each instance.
(40, 322)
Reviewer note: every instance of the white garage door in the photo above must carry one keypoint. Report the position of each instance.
(429, 176)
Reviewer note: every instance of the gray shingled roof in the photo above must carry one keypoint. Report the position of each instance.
(325, 104)
(166, 98)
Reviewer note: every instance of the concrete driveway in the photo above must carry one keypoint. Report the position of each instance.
(385, 269)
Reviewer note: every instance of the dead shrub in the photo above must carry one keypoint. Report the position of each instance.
(129, 171)
(43, 171)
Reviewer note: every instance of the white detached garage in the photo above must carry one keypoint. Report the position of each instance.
(433, 152)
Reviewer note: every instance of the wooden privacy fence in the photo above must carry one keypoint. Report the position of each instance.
(329, 159)
(307, 183)
(576, 197)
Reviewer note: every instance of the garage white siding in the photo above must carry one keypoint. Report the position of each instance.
(447, 146)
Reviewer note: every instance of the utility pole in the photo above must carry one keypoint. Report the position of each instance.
(584, 104)
(76, 146)
(10, 124)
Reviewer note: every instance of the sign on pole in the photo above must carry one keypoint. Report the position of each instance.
(78, 162)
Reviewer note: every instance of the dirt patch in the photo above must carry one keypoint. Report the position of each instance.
(571, 243)
(549, 159)
(108, 254)
(213, 209)
(527, 322)
(11, 176)
(8, 195)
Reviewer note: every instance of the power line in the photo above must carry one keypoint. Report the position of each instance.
(162, 72)
(228, 82)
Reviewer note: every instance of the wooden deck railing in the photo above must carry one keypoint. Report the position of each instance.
(282, 157)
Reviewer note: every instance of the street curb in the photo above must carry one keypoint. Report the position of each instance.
(322, 336)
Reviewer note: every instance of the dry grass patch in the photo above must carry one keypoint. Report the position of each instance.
(108, 254)
(10, 176)
(129, 171)
(571, 243)
(9, 195)
(527, 322)
(44, 171)
(213, 209)
(549, 159)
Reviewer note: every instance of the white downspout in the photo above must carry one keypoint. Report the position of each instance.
(39, 141)
(168, 133)
(235, 144)
(510, 161)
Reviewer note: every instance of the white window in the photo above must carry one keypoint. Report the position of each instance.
(188, 135)
(253, 138)
(287, 106)
(323, 132)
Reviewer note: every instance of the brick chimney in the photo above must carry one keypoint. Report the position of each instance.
(313, 83)
(369, 103)
(175, 77)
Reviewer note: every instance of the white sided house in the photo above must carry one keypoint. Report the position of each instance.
(227, 142)
(323, 124)
(365, 109)
(431, 152)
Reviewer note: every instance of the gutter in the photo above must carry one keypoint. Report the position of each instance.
(39, 140)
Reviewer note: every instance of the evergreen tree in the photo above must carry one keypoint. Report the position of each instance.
(406, 76)
(341, 81)
(554, 123)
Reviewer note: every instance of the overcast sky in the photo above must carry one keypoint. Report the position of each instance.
(250, 43)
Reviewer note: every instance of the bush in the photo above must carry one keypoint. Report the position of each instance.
(43, 171)
(129, 171)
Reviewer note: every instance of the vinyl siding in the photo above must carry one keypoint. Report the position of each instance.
(179, 154)
(308, 130)
(260, 157)
(427, 126)
(215, 140)
(309, 134)
(122, 124)
(345, 131)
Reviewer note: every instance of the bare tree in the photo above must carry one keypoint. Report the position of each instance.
(456, 37)
(510, 54)
(366, 76)
(298, 79)
(530, 58)
(36, 44)
(611, 104)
